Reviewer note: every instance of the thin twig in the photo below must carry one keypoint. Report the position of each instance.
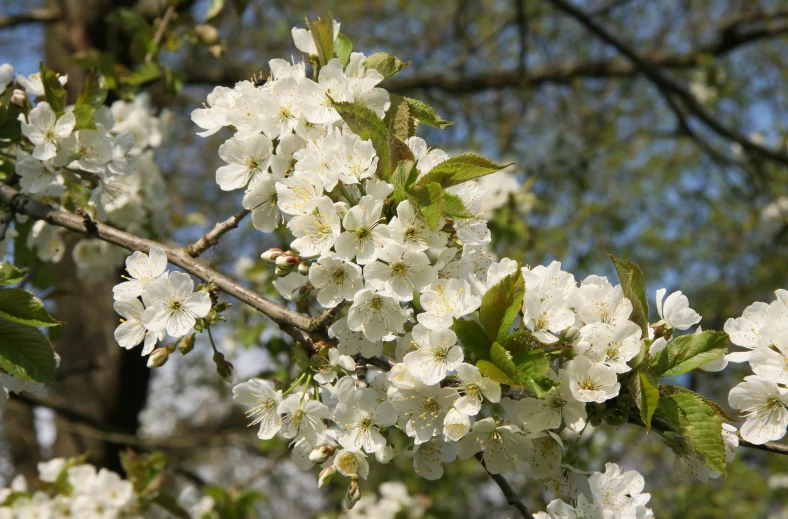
(773, 447)
(511, 496)
(160, 33)
(42, 15)
(212, 237)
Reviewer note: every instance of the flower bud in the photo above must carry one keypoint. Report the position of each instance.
(282, 272)
(319, 455)
(223, 368)
(570, 334)
(353, 494)
(384, 455)
(158, 358)
(326, 476)
(207, 33)
(287, 261)
(186, 345)
(271, 254)
(19, 98)
(303, 268)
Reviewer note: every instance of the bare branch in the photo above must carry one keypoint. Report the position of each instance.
(668, 84)
(773, 447)
(212, 237)
(278, 313)
(160, 33)
(43, 15)
(511, 496)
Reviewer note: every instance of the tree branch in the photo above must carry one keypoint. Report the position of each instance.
(511, 496)
(773, 447)
(160, 33)
(279, 314)
(669, 85)
(212, 237)
(42, 15)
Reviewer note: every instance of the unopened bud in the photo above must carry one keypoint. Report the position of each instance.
(326, 476)
(287, 261)
(353, 494)
(207, 33)
(570, 334)
(271, 254)
(19, 98)
(282, 272)
(223, 368)
(303, 268)
(158, 358)
(186, 345)
(319, 455)
(384, 455)
(662, 329)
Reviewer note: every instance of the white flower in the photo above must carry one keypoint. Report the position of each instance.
(612, 345)
(131, 331)
(171, 306)
(410, 230)
(400, 272)
(475, 388)
(298, 194)
(50, 470)
(456, 425)
(261, 199)
(539, 414)
(245, 159)
(214, 117)
(89, 150)
(303, 39)
(143, 269)
(603, 303)
(6, 76)
(546, 455)
(592, 382)
(426, 158)
(47, 241)
(437, 354)
(546, 314)
(363, 416)
(352, 463)
(364, 235)
(38, 177)
(328, 371)
(33, 84)
(429, 457)
(502, 445)
(303, 418)
(422, 409)
(675, 310)
(259, 395)
(764, 406)
(445, 300)
(44, 129)
(771, 364)
(745, 331)
(377, 314)
(315, 232)
(353, 343)
(335, 279)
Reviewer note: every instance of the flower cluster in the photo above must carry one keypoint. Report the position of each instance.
(104, 159)
(155, 302)
(763, 397)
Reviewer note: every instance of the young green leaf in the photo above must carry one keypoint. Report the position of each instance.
(84, 117)
(366, 123)
(94, 90)
(399, 122)
(688, 352)
(9, 274)
(454, 207)
(644, 388)
(501, 304)
(23, 307)
(500, 367)
(343, 47)
(521, 341)
(25, 352)
(214, 9)
(633, 284)
(461, 168)
(698, 423)
(54, 93)
(425, 114)
(323, 35)
(533, 368)
(473, 338)
(429, 200)
(490, 370)
(385, 64)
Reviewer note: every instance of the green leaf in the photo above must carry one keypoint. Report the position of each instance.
(490, 370)
(399, 122)
(366, 123)
(214, 9)
(688, 352)
(54, 93)
(533, 368)
(94, 91)
(84, 116)
(633, 284)
(23, 307)
(644, 388)
(501, 304)
(697, 422)
(521, 341)
(402, 177)
(454, 207)
(461, 168)
(170, 504)
(473, 338)
(143, 471)
(323, 35)
(429, 200)
(503, 359)
(145, 73)
(9, 274)
(385, 64)
(343, 47)
(425, 114)
(26, 353)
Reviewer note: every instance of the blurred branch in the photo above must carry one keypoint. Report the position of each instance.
(773, 447)
(669, 85)
(212, 237)
(165, 21)
(42, 15)
(511, 496)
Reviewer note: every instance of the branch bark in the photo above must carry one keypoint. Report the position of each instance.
(211, 238)
(511, 496)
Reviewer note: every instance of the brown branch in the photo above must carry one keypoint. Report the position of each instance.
(669, 85)
(212, 237)
(511, 496)
(773, 447)
(177, 256)
(42, 15)
(160, 33)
